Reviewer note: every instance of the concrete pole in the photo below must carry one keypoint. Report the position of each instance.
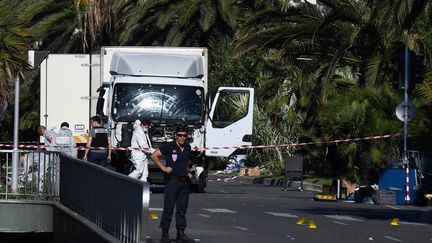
(15, 155)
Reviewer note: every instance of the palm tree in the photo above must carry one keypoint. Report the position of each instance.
(180, 23)
(55, 24)
(72, 26)
(13, 43)
(103, 21)
(359, 114)
(348, 36)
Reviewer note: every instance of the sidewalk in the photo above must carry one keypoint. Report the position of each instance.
(268, 181)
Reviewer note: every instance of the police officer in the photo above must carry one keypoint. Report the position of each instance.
(177, 188)
(98, 137)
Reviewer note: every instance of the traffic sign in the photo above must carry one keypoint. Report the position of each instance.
(400, 111)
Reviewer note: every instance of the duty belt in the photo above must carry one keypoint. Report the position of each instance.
(178, 178)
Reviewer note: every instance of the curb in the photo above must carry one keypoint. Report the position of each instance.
(427, 216)
(268, 181)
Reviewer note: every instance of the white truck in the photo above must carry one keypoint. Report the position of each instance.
(166, 85)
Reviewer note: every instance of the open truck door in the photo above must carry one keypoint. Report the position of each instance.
(230, 121)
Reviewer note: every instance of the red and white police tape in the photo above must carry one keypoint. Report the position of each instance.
(217, 148)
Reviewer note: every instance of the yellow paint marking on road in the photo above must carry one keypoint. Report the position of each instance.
(301, 221)
(312, 224)
(153, 215)
(394, 222)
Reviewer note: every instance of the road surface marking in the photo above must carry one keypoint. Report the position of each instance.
(223, 192)
(204, 215)
(412, 223)
(290, 237)
(156, 209)
(153, 215)
(301, 221)
(241, 228)
(394, 222)
(338, 222)
(287, 215)
(219, 210)
(392, 207)
(391, 238)
(343, 218)
(312, 224)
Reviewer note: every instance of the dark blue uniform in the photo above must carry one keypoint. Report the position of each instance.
(99, 137)
(177, 187)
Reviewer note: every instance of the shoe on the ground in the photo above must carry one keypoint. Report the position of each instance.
(165, 236)
(182, 237)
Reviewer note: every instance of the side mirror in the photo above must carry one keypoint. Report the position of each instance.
(104, 119)
(208, 102)
(100, 102)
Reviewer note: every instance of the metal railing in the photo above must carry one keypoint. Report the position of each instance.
(115, 202)
(422, 160)
(38, 172)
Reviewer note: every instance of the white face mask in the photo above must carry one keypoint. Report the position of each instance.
(145, 129)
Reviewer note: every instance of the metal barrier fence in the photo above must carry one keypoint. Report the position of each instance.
(422, 160)
(115, 202)
(38, 172)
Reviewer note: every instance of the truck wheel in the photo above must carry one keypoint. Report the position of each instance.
(200, 187)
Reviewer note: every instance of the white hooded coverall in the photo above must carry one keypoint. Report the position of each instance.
(49, 136)
(139, 140)
(66, 142)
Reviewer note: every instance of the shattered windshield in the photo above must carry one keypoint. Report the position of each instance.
(168, 103)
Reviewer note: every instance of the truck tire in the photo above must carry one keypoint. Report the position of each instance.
(202, 183)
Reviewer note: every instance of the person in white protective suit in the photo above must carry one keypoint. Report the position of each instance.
(48, 136)
(140, 140)
(36, 167)
(65, 140)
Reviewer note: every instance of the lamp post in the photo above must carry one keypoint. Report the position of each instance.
(15, 154)
(34, 60)
(405, 137)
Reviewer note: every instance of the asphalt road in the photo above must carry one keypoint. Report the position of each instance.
(232, 211)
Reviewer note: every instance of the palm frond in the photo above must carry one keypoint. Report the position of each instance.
(373, 66)
(175, 37)
(207, 18)
(187, 10)
(425, 90)
(228, 12)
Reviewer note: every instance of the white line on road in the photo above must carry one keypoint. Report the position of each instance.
(343, 217)
(219, 210)
(223, 191)
(156, 209)
(391, 238)
(241, 228)
(411, 223)
(339, 222)
(204, 215)
(392, 207)
(287, 215)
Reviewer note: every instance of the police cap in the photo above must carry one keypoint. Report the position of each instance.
(181, 129)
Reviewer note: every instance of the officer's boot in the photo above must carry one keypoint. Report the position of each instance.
(165, 235)
(181, 237)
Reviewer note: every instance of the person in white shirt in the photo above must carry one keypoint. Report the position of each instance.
(140, 141)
